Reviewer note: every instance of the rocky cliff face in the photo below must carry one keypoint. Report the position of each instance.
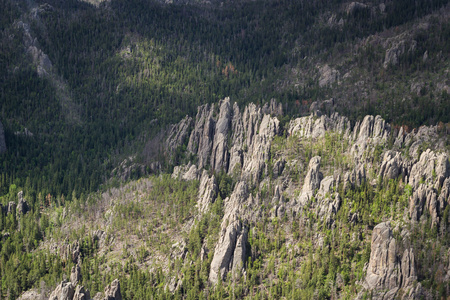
(239, 143)
(225, 139)
(310, 185)
(389, 269)
(71, 290)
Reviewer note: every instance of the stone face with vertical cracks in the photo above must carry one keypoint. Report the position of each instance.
(430, 167)
(391, 166)
(316, 127)
(201, 138)
(236, 151)
(312, 180)
(230, 250)
(219, 155)
(112, 291)
(64, 291)
(207, 192)
(259, 149)
(178, 134)
(229, 254)
(388, 269)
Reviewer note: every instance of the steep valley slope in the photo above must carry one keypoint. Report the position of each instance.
(316, 207)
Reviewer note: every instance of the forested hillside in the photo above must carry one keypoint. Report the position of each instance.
(88, 93)
(92, 84)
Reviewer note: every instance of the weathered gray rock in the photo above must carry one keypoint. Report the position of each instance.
(201, 138)
(64, 291)
(207, 192)
(312, 127)
(31, 295)
(22, 206)
(329, 202)
(444, 196)
(250, 121)
(391, 166)
(355, 6)
(75, 274)
(400, 138)
(433, 206)
(237, 148)
(259, 148)
(229, 254)
(312, 180)
(417, 203)
(373, 127)
(81, 293)
(278, 167)
(112, 291)
(101, 237)
(382, 272)
(178, 133)
(371, 131)
(186, 172)
(2, 139)
(239, 255)
(425, 198)
(174, 284)
(75, 252)
(429, 168)
(328, 76)
(388, 270)
(220, 155)
(273, 108)
(326, 186)
(396, 50)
